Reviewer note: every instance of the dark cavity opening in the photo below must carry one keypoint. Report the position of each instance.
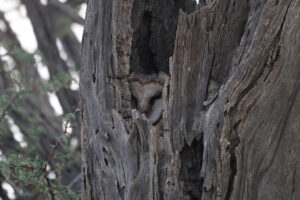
(154, 24)
(234, 142)
(190, 171)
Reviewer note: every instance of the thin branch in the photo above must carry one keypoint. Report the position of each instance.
(67, 10)
(14, 99)
(9, 105)
(75, 180)
(49, 186)
(56, 145)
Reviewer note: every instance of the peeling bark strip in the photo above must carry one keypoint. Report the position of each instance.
(230, 126)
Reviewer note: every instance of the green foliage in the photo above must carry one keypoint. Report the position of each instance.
(64, 27)
(62, 80)
(33, 172)
(25, 166)
(21, 101)
(62, 157)
(68, 117)
(4, 101)
(4, 132)
(20, 54)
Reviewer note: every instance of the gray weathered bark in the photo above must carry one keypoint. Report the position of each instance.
(230, 125)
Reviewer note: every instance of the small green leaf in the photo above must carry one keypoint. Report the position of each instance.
(64, 139)
(69, 116)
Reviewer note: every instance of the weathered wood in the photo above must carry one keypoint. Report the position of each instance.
(230, 127)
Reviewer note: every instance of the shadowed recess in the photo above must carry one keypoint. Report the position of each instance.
(191, 163)
(154, 24)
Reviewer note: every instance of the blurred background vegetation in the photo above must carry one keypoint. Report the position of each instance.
(39, 107)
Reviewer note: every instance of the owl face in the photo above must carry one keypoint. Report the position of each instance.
(148, 98)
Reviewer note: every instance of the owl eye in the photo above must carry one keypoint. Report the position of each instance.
(151, 103)
(157, 96)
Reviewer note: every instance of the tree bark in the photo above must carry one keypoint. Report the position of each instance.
(231, 101)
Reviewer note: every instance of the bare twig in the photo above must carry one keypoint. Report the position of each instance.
(9, 105)
(14, 99)
(67, 10)
(75, 180)
(50, 189)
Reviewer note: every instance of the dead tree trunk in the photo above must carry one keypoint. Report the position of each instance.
(231, 101)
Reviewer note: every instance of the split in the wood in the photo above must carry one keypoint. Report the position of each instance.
(212, 93)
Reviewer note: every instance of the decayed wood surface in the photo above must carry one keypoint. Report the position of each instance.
(231, 122)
